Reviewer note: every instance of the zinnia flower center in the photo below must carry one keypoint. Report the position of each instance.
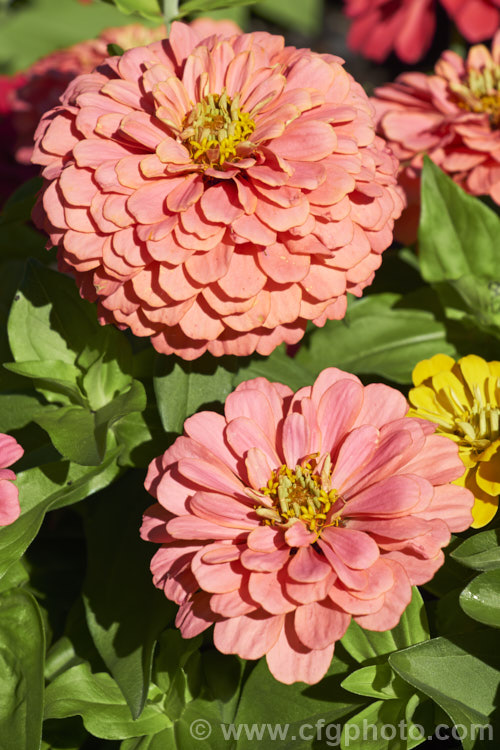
(481, 93)
(301, 494)
(215, 127)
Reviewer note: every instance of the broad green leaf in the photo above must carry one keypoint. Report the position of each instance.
(171, 667)
(55, 379)
(277, 368)
(99, 701)
(184, 387)
(17, 208)
(48, 320)
(205, 6)
(124, 627)
(140, 437)
(412, 628)
(22, 649)
(16, 575)
(458, 247)
(127, 402)
(462, 676)
(72, 430)
(161, 741)
(18, 409)
(481, 551)
(302, 15)
(50, 25)
(104, 380)
(11, 273)
(151, 9)
(379, 335)
(267, 701)
(376, 681)
(46, 487)
(481, 598)
(383, 725)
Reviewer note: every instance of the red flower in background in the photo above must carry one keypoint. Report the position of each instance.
(379, 27)
(475, 19)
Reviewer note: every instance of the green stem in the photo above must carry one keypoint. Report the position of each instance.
(170, 12)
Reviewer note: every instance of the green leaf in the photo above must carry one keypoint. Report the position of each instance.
(161, 741)
(458, 247)
(19, 205)
(481, 598)
(99, 701)
(148, 8)
(105, 379)
(55, 376)
(301, 15)
(481, 551)
(22, 649)
(72, 431)
(376, 681)
(378, 727)
(265, 700)
(205, 6)
(172, 669)
(378, 336)
(124, 628)
(277, 368)
(48, 320)
(48, 26)
(46, 487)
(18, 409)
(412, 628)
(462, 676)
(181, 388)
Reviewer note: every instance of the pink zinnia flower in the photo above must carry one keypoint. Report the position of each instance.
(217, 193)
(453, 116)
(475, 19)
(379, 27)
(10, 452)
(291, 514)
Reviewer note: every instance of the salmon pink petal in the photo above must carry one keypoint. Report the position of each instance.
(289, 661)
(356, 549)
(320, 623)
(395, 602)
(250, 636)
(306, 566)
(195, 615)
(268, 589)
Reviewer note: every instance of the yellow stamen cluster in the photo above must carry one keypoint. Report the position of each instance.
(300, 494)
(215, 127)
(481, 93)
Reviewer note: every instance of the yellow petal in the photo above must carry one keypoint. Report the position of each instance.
(429, 367)
(488, 475)
(426, 405)
(467, 455)
(451, 393)
(475, 372)
(485, 506)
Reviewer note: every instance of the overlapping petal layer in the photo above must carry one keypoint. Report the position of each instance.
(217, 193)
(454, 117)
(290, 515)
(10, 452)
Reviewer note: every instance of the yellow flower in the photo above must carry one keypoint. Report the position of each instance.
(463, 399)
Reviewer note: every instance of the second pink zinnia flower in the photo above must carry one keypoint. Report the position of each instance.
(217, 193)
(291, 514)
